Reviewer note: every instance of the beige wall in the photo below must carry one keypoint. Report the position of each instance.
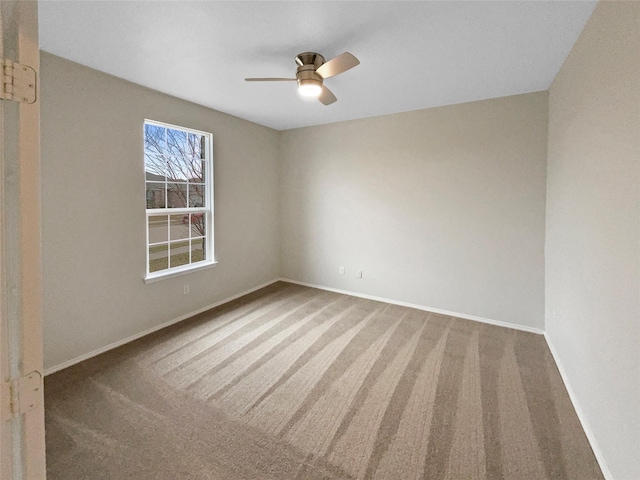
(593, 231)
(442, 208)
(93, 228)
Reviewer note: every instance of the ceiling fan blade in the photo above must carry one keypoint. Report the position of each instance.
(270, 79)
(337, 65)
(326, 96)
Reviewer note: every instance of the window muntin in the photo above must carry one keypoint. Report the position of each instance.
(179, 198)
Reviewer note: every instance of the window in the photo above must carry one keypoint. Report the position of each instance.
(179, 198)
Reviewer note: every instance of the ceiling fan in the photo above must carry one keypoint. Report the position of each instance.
(311, 72)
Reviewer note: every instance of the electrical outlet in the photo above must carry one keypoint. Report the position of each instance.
(341, 270)
(359, 274)
(185, 289)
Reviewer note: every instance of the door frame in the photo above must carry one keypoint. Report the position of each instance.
(22, 445)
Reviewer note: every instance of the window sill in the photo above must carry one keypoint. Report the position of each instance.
(154, 277)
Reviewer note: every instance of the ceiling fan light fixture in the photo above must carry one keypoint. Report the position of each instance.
(309, 87)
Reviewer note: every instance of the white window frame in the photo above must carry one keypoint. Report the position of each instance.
(206, 211)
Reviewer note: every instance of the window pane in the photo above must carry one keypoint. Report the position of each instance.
(196, 145)
(196, 195)
(196, 170)
(154, 139)
(180, 169)
(198, 249)
(179, 227)
(154, 147)
(177, 195)
(158, 228)
(177, 143)
(179, 253)
(198, 225)
(155, 195)
(153, 174)
(158, 258)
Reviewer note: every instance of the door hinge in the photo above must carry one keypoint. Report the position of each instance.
(25, 393)
(18, 82)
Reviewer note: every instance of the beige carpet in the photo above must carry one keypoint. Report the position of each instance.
(296, 383)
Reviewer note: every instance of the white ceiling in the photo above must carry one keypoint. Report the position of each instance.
(413, 54)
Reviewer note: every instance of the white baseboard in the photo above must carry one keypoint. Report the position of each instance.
(420, 307)
(576, 406)
(131, 338)
(124, 341)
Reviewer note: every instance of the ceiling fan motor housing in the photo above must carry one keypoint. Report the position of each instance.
(308, 63)
(310, 58)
